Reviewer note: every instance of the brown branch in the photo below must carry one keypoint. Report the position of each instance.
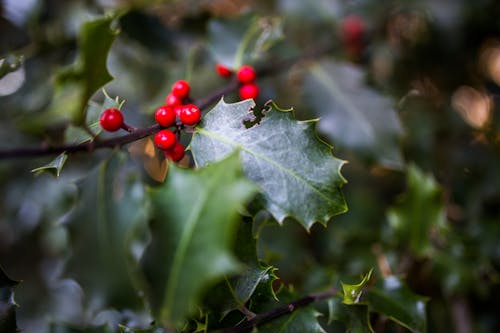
(139, 133)
(280, 311)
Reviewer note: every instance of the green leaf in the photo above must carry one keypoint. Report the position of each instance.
(419, 216)
(89, 73)
(392, 298)
(353, 292)
(254, 275)
(303, 319)
(296, 171)
(195, 216)
(54, 167)
(8, 322)
(105, 225)
(353, 115)
(355, 317)
(234, 42)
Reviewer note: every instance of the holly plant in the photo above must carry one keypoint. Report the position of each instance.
(236, 166)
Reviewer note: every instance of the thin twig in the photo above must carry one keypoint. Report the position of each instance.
(280, 311)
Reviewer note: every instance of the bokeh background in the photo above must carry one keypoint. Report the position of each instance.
(406, 92)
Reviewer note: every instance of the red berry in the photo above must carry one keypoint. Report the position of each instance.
(190, 115)
(172, 100)
(246, 74)
(165, 139)
(181, 89)
(111, 120)
(352, 29)
(223, 71)
(165, 116)
(249, 90)
(176, 153)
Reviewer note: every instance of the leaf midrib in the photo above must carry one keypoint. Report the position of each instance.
(180, 253)
(265, 158)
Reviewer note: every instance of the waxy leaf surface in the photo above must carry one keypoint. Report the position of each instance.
(295, 170)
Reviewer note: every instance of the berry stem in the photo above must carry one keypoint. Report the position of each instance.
(128, 128)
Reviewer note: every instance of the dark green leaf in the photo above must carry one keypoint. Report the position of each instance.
(392, 298)
(235, 42)
(353, 115)
(353, 292)
(54, 167)
(104, 225)
(89, 73)
(296, 171)
(302, 319)
(244, 285)
(195, 215)
(419, 216)
(355, 316)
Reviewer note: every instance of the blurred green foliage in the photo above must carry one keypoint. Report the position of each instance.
(415, 114)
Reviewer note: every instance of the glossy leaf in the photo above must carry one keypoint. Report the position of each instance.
(110, 214)
(395, 300)
(353, 115)
(291, 165)
(353, 292)
(89, 73)
(195, 216)
(355, 317)
(54, 167)
(255, 276)
(419, 214)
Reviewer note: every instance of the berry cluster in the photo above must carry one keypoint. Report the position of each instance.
(246, 76)
(177, 112)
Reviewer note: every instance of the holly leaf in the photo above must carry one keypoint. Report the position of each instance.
(8, 322)
(89, 72)
(54, 167)
(234, 42)
(302, 319)
(419, 216)
(195, 216)
(104, 229)
(255, 277)
(392, 298)
(355, 317)
(352, 292)
(353, 115)
(295, 170)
